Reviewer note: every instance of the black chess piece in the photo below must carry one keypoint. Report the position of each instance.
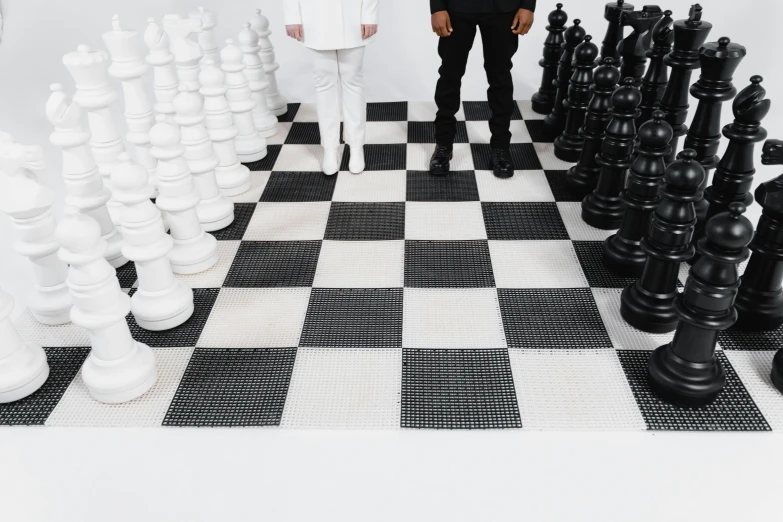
(568, 146)
(718, 60)
(689, 36)
(622, 252)
(686, 372)
(583, 177)
(603, 208)
(777, 370)
(760, 299)
(648, 304)
(614, 33)
(657, 76)
(555, 122)
(544, 99)
(633, 48)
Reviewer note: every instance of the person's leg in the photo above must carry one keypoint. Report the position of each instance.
(327, 97)
(351, 63)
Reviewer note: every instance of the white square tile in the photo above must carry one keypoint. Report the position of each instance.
(214, 277)
(387, 132)
(623, 335)
(444, 221)
(536, 264)
(361, 264)
(64, 335)
(307, 112)
(526, 109)
(371, 186)
(546, 154)
(301, 158)
(578, 230)
(753, 369)
(426, 111)
(573, 390)
(419, 155)
(258, 181)
(452, 318)
(525, 186)
(346, 388)
(288, 221)
(283, 128)
(478, 132)
(256, 318)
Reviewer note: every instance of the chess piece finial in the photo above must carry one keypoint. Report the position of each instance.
(694, 15)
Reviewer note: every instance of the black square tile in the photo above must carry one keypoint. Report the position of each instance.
(733, 410)
(523, 155)
(186, 334)
(424, 132)
(559, 186)
(458, 389)
(524, 221)
(387, 111)
(290, 114)
(590, 254)
(380, 157)
(455, 186)
(126, 275)
(33, 410)
(233, 387)
(354, 318)
(539, 132)
(479, 110)
(266, 163)
(448, 264)
(733, 339)
(366, 221)
(243, 212)
(274, 264)
(303, 133)
(298, 187)
(552, 318)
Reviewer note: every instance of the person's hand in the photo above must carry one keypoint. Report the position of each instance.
(369, 30)
(523, 21)
(294, 31)
(441, 24)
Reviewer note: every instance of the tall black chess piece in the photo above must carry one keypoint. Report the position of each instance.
(777, 370)
(718, 63)
(760, 298)
(633, 48)
(657, 76)
(689, 36)
(555, 122)
(544, 99)
(568, 146)
(614, 33)
(583, 177)
(623, 252)
(686, 372)
(648, 304)
(603, 208)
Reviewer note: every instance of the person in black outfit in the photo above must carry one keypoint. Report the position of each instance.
(500, 22)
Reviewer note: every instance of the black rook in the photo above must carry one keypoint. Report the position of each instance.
(544, 99)
(555, 122)
(657, 76)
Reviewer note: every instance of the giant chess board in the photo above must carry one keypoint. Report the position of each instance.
(394, 299)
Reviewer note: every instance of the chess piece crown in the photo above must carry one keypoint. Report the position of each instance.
(574, 34)
(88, 68)
(260, 24)
(557, 18)
(126, 52)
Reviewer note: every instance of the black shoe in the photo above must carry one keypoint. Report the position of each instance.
(502, 166)
(439, 163)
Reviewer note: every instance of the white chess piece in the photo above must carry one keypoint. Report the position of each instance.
(162, 61)
(93, 93)
(29, 205)
(118, 368)
(206, 38)
(276, 102)
(23, 366)
(215, 211)
(187, 53)
(83, 184)
(194, 250)
(250, 146)
(266, 122)
(233, 178)
(128, 66)
(162, 301)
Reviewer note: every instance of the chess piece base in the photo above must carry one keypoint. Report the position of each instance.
(684, 383)
(29, 370)
(266, 126)
(582, 181)
(277, 104)
(569, 148)
(215, 214)
(156, 312)
(777, 371)
(759, 311)
(543, 104)
(624, 257)
(601, 212)
(251, 157)
(51, 305)
(193, 256)
(648, 312)
(122, 380)
(233, 180)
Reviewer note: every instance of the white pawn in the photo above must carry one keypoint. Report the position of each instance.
(266, 122)
(83, 184)
(276, 102)
(162, 301)
(118, 368)
(250, 146)
(194, 250)
(187, 53)
(206, 38)
(233, 178)
(166, 83)
(215, 212)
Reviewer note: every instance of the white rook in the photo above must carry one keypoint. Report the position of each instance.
(187, 53)
(277, 103)
(166, 82)
(266, 122)
(206, 38)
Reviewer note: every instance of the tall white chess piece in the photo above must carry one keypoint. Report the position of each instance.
(266, 122)
(187, 53)
(162, 61)
(83, 183)
(276, 102)
(206, 38)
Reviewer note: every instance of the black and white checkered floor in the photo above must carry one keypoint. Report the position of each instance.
(393, 299)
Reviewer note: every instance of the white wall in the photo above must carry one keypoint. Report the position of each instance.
(401, 65)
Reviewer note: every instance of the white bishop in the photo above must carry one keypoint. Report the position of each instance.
(166, 82)
(206, 38)
(276, 102)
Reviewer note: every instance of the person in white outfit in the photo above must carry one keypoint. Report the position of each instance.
(336, 31)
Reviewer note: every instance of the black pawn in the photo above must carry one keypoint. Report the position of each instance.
(633, 49)
(544, 99)
(623, 252)
(686, 372)
(603, 208)
(760, 299)
(568, 146)
(555, 122)
(583, 177)
(648, 304)
(614, 33)
(689, 36)
(657, 76)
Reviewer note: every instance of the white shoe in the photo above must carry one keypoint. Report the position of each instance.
(331, 162)
(356, 163)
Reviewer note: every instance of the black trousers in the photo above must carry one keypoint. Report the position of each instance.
(500, 45)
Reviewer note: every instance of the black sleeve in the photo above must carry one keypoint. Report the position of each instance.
(442, 5)
(530, 5)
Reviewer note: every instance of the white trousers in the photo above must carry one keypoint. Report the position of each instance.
(332, 70)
